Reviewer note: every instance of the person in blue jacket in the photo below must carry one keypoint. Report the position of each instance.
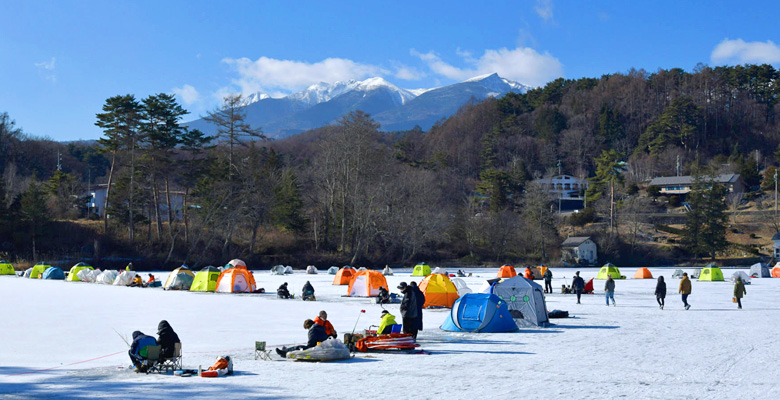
(138, 350)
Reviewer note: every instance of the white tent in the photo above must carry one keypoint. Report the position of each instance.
(461, 285)
(27, 272)
(742, 274)
(677, 274)
(181, 281)
(387, 271)
(288, 270)
(88, 275)
(485, 288)
(333, 270)
(524, 299)
(236, 263)
(759, 270)
(362, 269)
(107, 277)
(125, 278)
(277, 270)
(312, 270)
(439, 270)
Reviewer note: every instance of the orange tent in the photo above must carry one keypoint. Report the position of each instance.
(643, 273)
(366, 284)
(343, 276)
(506, 271)
(776, 271)
(236, 280)
(439, 291)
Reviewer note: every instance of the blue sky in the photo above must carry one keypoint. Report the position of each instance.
(60, 60)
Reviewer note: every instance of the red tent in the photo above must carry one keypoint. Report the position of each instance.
(588, 287)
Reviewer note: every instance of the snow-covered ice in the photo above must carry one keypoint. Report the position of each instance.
(57, 340)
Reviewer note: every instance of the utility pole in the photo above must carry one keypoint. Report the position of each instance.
(59, 161)
(678, 165)
(775, 195)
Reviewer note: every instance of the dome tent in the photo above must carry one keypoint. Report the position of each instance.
(439, 270)
(776, 270)
(37, 270)
(88, 275)
(524, 299)
(461, 285)
(107, 277)
(711, 273)
(236, 280)
(742, 275)
(205, 280)
(312, 270)
(506, 271)
(439, 291)
(421, 270)
(608, 270)
(73, 275)
(125, 278)
(288, 270)
(366, 284)
(643, 273)
(53, 273)
(343, 276)
(277, 270)
(678, 274)
(387, 271)
(27, 273)
(333, 270)
(6, 268)
(236, 263)
(177, 282)
(759, 270)
(479, 312)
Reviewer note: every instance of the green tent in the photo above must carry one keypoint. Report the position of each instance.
(608, 270)
(421, 270)
(205, 280)
(38, 270)
(6, 268)
(74, 270)
(711, 273)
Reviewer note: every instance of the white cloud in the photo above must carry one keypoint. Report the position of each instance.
(188, 94)
(47, 69)
(545, 9)
(408, 73)
(522, 64)
(741, 52)
(271, 75)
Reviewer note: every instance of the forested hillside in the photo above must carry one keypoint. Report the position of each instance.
(349, 194)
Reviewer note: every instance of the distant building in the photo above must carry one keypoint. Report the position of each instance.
(776, 246)
(565, 187)
(96, 202)
(683, 184)
(579, 250)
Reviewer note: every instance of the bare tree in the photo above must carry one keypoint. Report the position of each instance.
(229, 119)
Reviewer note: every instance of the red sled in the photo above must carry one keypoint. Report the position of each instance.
(393, 341)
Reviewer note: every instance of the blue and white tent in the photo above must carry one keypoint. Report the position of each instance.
(759, 270)
(53, 273)
(524, 299)
(479, 312)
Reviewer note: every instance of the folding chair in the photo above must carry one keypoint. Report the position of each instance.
(152, 361)
(172, 363)
(396, 328)
(261, 352)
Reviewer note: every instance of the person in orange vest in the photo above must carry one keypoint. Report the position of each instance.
(529, 274)
(322, 320)
(151, 279)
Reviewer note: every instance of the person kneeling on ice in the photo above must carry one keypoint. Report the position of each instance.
(308, 291)
(167, 339)
(282, 292)
(138, 350)
(316, 335)
(322, 319)
(384, 296)
(386, 325)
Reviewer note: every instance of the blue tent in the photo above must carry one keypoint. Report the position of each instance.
(53, 273)
(479, 312)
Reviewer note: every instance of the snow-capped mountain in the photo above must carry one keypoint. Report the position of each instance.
(393, 107)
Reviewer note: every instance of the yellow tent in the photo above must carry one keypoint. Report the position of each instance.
(6, 268)
(38, 269)
(182, 269)
(74, 270)
(608, 270)
(439, 291)
(421, 270)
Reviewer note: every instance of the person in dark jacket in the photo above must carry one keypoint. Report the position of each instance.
(609, 290)
(409, 309)
(167, 339)
(660, 292)
(307, 291)
(548, 281)
(283, 292)
(578, 285)
(383, 296)
(420, 303)
(739, 291)
(316, 335)
(138, 350)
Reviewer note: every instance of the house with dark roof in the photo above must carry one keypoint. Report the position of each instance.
(579, 250)
(682, 184)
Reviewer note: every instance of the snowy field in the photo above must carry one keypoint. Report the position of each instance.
(57, 340)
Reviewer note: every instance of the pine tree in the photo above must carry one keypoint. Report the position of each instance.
(705, 230)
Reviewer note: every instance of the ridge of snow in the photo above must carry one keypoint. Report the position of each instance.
(254, 98)
(322, 91)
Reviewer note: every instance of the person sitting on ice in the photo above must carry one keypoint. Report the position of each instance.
(308, 291)
(565, 289)
(139, 350)
(167, 339)
(384, 296)
(151, 279)
(137, 281)
(282, 292)
(316, 335)
(322, 319)
(223, 366)
(386, 325)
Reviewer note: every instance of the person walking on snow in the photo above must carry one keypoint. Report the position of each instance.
(739, 291)
(578, 285)
(685, 289)
(660, 291)
(548, 281)
(609, 290)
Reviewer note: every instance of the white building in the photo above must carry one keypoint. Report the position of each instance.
(776, 246)
(565, 187)
(96, 202)
(579, 250)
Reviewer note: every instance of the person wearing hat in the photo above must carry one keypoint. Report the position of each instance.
(283, 292)
(386, 324)
(384, 296)
(420, 303)
(578, 285)
(409, 309)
